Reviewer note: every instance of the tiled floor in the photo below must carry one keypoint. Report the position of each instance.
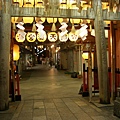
(49, 94)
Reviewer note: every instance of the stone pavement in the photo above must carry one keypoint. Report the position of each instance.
(49, 94)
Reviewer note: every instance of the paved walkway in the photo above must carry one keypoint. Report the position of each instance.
(49, 94)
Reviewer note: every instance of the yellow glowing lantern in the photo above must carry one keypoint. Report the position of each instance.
(14, 19)
(20, 2)
(85, 55)
(85, 6)
(73, 36)
(52, 36)
(28, 19)
(107, 22)
(51, 20)
(29, 1)
(63, 38)
(41, 38)
(20, 38)
(77, 21)
(16, 54)
(39, 3)
(63, 20)
(31, 37)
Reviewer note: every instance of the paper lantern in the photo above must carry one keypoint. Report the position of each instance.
(52, 36)
(28, 4)
(85, 56)
(77, 21)
(20, 36)
(29, 1)
(31, 37)
(14, 19)
(20, 2)
(63, 38)
(16, 54)
(73, 36)
(41, 37)
(51, 20)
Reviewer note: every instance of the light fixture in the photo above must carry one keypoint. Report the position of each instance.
(73, 36)
(41, 38)
(52, 36)
(85, 6)
(28, 4)
(31, 37)
(40, 19)
(16, 54)
(14, 19)
(51, 20)
(20, 36)
(39, 3)
(20, 2)
(85, 55)
(75, 21)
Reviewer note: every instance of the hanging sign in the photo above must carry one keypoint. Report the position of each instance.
(52, 36)
(73, 36)
(20, 36)
(63, 38)
(31, 37)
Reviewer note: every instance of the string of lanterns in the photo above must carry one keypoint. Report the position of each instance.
(41, 35)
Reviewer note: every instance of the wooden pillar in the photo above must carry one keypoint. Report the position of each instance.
(90, 73)
(101, 49)
(112, 44)
(5, 37)
(80, 61)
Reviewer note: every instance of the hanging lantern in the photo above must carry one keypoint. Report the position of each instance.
(41, 37)
(28, 19)
(85, 55)
(31, 37)
(28, 3)
(37, 19)
(14, 19)
(77, 21)
(63, 38)
(20, 2)
(16, 54)
(73, 36)
(39, 3)
(52, 36)
(51, 20)
(20, 36)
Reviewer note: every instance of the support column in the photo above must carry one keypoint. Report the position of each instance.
(112, 44)
(90, 73)
(101, 48)
(80, 61)
(5, 37)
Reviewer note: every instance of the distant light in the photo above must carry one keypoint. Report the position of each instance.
(52, 46)
(44, 48)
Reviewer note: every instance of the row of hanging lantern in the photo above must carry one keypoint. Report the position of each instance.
(52, 36)
(66, 4)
